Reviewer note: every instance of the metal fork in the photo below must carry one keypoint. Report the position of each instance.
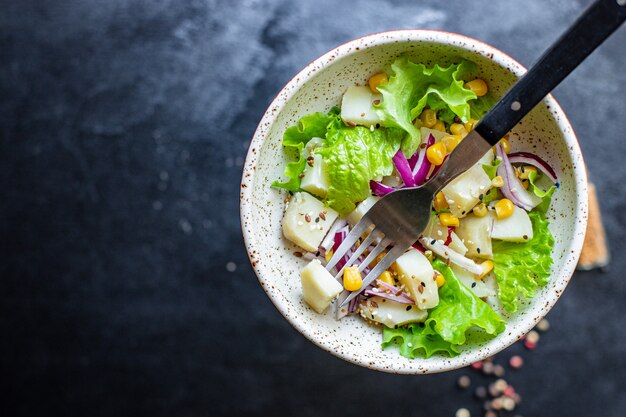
(401, 216)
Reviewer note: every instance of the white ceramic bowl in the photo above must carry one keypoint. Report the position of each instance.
(545, 131)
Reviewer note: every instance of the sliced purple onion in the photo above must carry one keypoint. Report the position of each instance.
(534, 160)
(422, 166)
(403, 168)
(513, 188)
(402, 298)
(389, 287)
(379, 189)
(329, 240)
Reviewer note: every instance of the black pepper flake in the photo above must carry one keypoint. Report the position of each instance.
(317, 253)
(478, 250)
(408, 308)
(525, 237)
(463, 213)
(473, 284)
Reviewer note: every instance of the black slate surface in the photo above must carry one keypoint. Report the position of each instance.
(123, 129)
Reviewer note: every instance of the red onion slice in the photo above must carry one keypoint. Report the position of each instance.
(422, 166)
(513, 188)
(401, 299)
(534, 160)
(403, 168)
(379, 189)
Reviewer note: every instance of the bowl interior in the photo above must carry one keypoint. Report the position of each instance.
(318, 87)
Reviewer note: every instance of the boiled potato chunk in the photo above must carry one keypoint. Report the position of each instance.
(360, 210)
(475, 232)
(319, 287)
(463, 192)
(356, 106)
(307, 220)
(390, 313)
(417, 275)
(315, 179)
(477, 286)
(438, 134)
(515, 228)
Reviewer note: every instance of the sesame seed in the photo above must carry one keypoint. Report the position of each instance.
(300, 223)
(480, 393)
(464, 382)
(409, 344)
(408, 308)
(508, 404)
(462, 412)
(307, 217)
(473, 285)
(532, 336)
(516, 362)
(543, 325)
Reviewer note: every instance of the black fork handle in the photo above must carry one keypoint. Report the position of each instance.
(596, 24)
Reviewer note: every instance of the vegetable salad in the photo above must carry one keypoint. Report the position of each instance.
(487, 245)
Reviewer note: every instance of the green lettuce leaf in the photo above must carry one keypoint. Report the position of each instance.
(308, 127)
(546, 195)
(412, 87)
(521, 268)
(354, 156)
(447, 324)
(411, 339)
(459, 310)
(480, 106)
(492, 169)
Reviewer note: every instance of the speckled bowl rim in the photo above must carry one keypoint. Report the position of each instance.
(359, 45)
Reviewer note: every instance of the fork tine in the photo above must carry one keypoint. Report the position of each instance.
(382, 245)
(380, 267)
(347, 243)
(364, 245)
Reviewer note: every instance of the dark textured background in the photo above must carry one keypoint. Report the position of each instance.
(123, 128)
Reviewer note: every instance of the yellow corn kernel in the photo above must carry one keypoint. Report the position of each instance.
(458, 129)
(497, 181)
(377, 80)
(447, 219)
(486, 266)
(469, 126)
(440, 280)
(436, 153)
(352, 279)
(450, 142)
(478, 86)
(328, 255)
(387, 278)
(506, 146)
(377, 259)
(524, 170)
(504, 208)
(428, 118)
(440, 126)
(440, 202)
(480, 210)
